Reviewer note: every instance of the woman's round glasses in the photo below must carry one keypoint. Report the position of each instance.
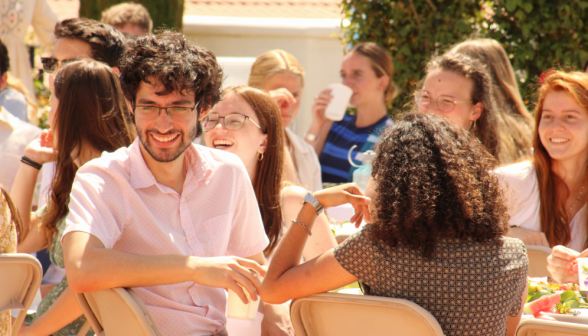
(444, 103)
(232, 122)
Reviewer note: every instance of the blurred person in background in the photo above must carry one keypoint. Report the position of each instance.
(432, 199)
(129, 18)
(15, 132)
(247, 122)
(367, 69)
(549, 191)
(460, 88)
(13, 95)
(509, 104)
(280, 74)
(88, 117)
(10, 231)
(15, 19)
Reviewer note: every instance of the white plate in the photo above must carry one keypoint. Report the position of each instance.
(581, 318)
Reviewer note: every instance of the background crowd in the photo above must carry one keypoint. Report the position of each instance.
(465, 166)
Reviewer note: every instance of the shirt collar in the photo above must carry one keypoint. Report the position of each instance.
(141, 177)
(6, 118)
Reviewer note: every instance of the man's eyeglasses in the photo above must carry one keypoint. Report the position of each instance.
(444, 103)
(176, 113)
(232, 122)
(51, 64)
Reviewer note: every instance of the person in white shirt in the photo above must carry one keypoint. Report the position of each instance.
(548, 193)
(278, 73)
(15, 135)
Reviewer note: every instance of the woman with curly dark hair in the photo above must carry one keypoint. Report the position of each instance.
(436, 215)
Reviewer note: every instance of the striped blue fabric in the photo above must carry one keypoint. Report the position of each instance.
(342, 136)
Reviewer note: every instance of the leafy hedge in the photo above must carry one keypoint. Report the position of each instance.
(537, 34)
(168, 13)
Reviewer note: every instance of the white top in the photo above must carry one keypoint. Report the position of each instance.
(306, 162)
(117, 199)
(524, 203)
(15, 18)
(15, 135)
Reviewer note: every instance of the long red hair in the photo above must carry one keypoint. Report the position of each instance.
(552, 190)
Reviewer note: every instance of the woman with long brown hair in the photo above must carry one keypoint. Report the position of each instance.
(247, 122)
(88, 116)
(549, 191)
(459, 87)
(507, 97)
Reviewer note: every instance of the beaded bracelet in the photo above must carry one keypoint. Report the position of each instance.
(31, 163)
(304, 226)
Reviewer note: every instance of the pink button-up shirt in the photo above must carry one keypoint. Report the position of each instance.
(117, 199)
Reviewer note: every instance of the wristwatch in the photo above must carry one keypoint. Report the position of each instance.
(310, 199)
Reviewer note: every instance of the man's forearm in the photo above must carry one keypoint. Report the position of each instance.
(96, 268)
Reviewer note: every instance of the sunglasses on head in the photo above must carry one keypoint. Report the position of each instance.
(51, 64)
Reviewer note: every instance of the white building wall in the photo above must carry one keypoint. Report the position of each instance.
(315, 43)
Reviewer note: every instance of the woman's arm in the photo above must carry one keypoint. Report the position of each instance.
(63, 312)
(512, 322)
(23, 189)
(322, 238)
(320, 126)
(286, 279)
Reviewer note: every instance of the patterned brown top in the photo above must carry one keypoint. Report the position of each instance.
(469, 287)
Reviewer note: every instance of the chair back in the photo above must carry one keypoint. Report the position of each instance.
(538, 261)
(329, 314)
(19, 282)
(117, 312)
(536, 327)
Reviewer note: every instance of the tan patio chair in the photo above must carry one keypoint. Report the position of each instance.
(536, 327)
(347, 314)
(117, 312)
(538, 261)
(20, 278)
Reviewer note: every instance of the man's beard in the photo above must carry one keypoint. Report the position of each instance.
(167, 154)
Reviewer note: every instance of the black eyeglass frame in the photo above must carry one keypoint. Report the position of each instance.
(166, 109)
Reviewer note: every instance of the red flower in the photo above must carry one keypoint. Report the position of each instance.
(543, 75)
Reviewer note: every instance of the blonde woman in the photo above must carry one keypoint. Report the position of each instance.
(280, 74)
(518, 122)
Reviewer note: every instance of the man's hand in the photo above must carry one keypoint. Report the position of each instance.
(562, 264)
(276, 320)
(231, 273)
(529, 237)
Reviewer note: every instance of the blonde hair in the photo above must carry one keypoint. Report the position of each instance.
(271, 63)
(128, 13)
(509, 105)
(33, 108)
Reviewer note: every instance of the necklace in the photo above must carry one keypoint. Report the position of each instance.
(578, 198)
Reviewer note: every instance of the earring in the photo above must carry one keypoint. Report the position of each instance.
(259, 156)
(472, 126)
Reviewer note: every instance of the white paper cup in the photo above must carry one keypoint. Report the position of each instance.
(583, 273)
(238, 310)
(341, 95)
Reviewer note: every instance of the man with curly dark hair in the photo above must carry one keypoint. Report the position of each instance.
(79, 38)
(435, 236)
(177, 222)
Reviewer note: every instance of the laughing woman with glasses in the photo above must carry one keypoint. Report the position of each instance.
(88, 116)
(247, 122)
(460, 88)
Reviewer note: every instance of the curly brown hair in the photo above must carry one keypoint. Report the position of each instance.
(107, 43)
(434, 181)
(176, 64)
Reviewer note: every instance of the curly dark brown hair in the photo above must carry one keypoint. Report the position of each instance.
(434, 181)
(107, 43)
(177, 64)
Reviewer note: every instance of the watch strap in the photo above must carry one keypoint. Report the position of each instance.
(310, 199)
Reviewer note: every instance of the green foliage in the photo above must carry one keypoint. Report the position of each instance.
(164, 13)
(413, 30)
(536, 34)
(540, 34)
